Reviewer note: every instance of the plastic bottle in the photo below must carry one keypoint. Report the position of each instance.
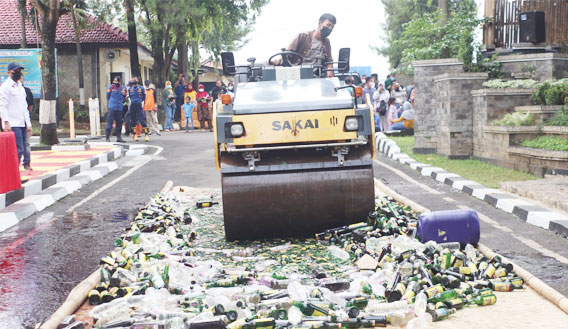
(421, 322)
(420, 304)
(338, 253)
(380, 308)
(295, 315)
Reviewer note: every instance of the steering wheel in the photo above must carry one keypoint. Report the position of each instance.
(289, 58)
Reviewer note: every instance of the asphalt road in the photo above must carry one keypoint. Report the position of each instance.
(46, 255)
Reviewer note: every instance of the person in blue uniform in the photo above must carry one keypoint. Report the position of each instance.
(116, 93)
(137, 95)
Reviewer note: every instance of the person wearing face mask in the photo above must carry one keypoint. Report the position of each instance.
(368, 89)
(381, 100)
(314, 43)
(231, 90)
(203, 114)
(116, 94)
(137, 95)
(14, 108)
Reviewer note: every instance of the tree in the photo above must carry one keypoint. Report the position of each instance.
(398, 13)
(132, 38)
(79, 18)
(49, 11)
(425, 36)
(23, 15)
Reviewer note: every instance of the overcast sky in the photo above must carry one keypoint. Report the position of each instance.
(358, 27)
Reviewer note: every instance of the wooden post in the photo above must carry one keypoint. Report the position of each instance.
(71, 119)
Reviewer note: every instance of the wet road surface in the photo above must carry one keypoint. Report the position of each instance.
(48, 254)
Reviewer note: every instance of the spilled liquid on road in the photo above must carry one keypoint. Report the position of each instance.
(42, 260)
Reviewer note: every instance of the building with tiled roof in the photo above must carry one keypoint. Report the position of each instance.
(104, 48)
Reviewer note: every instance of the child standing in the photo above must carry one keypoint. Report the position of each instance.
(187, 109)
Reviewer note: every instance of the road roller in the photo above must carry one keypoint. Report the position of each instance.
(294, 148)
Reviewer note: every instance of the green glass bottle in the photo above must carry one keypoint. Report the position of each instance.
(443, 296)
(483, 300)
(441, 313)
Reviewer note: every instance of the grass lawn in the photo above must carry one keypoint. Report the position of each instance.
(475, 170)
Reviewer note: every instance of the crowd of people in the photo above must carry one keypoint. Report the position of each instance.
(134, 104)
(393, 103)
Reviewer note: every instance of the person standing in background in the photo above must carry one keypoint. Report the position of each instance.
(116, 94)
(28, 146)
(179, 89)
(203, 114)
(14, 108)
(187, 110)
(137, 95)
(151, 108)
(169, 101)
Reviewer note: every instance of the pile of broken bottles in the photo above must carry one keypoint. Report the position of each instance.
(173, 269)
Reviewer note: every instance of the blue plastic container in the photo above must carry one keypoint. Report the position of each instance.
(449, 226)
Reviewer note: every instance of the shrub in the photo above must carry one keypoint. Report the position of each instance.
(560, 118)
(538, 96)
(521, 83)
(515, 119)
(548, 143)
(555, 95)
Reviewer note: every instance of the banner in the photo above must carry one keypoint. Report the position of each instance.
(30, 59)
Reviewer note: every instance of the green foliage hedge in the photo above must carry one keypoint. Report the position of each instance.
(547, 143)
(515, 119)
(560, 118)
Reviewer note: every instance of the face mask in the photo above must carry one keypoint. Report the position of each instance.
(372, 85)
(231, 88)
(16, 75)
(325, 32)
(201, 90)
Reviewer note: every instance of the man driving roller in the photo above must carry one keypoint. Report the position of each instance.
(314, 43)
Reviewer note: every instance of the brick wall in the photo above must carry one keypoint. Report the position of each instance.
(454, 131)
(544, 66)
(425, 104)
(490, 105)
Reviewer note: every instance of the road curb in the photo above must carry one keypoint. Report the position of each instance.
(18, 211)
(35, 186)
(532, 281)
(525, 210)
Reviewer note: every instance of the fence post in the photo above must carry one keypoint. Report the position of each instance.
(71, 119)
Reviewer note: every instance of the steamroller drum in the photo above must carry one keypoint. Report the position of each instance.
(295, 203)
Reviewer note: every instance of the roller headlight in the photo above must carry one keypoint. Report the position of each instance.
(351, 124)
(237, 129)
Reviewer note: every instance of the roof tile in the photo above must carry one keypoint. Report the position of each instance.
(11, 32)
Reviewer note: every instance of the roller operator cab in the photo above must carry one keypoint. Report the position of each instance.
(294, 148)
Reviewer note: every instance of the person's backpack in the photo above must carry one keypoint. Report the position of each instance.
(382, 108)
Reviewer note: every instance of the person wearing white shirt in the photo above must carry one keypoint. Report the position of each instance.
(382, 95)
(14, 107)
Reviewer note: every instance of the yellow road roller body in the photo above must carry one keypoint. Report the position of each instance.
(295, 155)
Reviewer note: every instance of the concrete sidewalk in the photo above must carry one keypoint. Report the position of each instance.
(525, 209)
(57, 174)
